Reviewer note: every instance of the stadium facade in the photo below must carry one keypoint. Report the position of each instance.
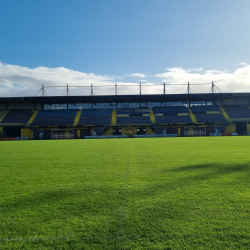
(60, 117)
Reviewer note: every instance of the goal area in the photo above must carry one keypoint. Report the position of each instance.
(62, 134)
(195, 131)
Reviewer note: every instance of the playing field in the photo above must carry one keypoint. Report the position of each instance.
(158, 193)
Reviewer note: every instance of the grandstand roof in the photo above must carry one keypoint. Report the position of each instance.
(124, 98)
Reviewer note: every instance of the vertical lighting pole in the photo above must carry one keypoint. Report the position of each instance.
(43, 91)
(213, 87)
(67, 90)
(92, 92)
(188, 88)
(140, 88)
(67, 95)
(115, 88)
(164, 88)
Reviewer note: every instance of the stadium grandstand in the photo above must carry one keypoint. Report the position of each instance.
(72, 117)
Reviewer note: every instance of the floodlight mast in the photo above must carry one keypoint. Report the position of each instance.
(67, 90)
(43, 91)
(212, 87)
(92, 92)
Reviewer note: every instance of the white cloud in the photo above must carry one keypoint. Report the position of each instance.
(194, 70)
(236, 81)
(32, 80)
(22, 81)
(138, 75)
(242, 64)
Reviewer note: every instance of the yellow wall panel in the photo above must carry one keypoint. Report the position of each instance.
(26, 132)
(78, 133)
(231, 128)
(149, 131)
(109, 131)
(248, 128)
(179, 132)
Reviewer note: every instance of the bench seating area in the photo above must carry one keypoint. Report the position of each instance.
(133, 120)
(210, 118)
(170, 110)
(205, 108)
(172, 114)
(17, 117)
(133, 116)
(54, 118)
(133, 112)
(95, 117)
(173, 119)
(203, 114)
(238, 113)
(208, 114)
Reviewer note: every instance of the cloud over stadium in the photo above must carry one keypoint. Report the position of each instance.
(23, 81)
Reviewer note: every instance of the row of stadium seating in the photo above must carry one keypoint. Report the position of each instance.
(208, 114)
(134, 112)
(90, 112)
(17, 117)
(210, 118)
(204, 109)
(95, 117)
(173, 119)
(238, 113)
(183, 109)
(65, 112)
(133, 120)
(54, 118)
(170, 110)
(168, 114)
(133, 116)
(95, 120)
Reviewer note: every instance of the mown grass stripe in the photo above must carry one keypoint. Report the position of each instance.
(123, 209)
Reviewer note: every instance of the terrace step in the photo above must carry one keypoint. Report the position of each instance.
(76, 121)
(152, 116)
(192, 116)
(225, 114)
(32, 118)
(113, 119)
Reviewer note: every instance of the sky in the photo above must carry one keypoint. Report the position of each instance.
(123, 42)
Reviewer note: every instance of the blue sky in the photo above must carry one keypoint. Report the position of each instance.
(125, 41)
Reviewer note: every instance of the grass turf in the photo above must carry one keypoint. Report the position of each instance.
(158, 193)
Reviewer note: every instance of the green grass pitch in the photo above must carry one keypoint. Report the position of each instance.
(156, 193)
